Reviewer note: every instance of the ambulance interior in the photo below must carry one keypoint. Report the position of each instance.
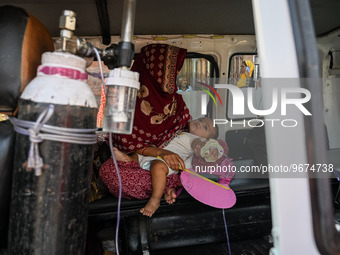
(218, 36)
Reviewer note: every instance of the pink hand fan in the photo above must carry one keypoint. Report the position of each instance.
(207, 191)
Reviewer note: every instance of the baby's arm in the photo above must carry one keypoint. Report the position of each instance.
(197, 144)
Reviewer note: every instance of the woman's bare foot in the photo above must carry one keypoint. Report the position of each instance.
(151, 206)
(170, 196)
(121, 156)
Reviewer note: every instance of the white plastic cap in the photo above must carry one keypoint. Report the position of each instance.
(63, 59)
(122, 77)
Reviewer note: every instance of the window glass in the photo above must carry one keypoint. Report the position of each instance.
(244, 72)
(195, 72)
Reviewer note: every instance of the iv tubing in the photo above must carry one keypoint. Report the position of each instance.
(114, 160)
(119, 194)
(100, 68)
(226, 231)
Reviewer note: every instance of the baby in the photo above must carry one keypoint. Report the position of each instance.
(176, 155)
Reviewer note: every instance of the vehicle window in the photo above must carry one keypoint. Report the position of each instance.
(194, 70)
(244, 72)
(236, 67)
(197, 70)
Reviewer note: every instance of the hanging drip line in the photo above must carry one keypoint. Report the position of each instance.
(39, 131)
(226, 231)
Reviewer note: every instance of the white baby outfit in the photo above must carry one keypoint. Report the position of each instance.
(180, 145)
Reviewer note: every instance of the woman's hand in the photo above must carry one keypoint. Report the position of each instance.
(173, 160)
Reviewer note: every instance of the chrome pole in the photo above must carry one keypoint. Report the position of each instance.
(128, 20)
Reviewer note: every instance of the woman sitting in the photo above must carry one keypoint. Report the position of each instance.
(160, 116)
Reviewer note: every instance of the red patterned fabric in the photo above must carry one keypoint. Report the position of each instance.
(136, 182)
(160, 111)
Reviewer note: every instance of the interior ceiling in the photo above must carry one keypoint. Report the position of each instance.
(157, 17)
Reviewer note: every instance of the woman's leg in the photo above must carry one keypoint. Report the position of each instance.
(136, 182)
(121, 156)
(159, 171)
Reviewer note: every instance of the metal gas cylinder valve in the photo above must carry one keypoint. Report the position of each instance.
(67, 23)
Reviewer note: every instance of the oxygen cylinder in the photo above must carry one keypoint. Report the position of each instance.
(49, 211)
(23, 40)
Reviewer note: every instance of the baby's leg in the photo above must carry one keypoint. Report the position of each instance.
(159, 171)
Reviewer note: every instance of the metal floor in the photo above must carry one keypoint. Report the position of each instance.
(246, 247)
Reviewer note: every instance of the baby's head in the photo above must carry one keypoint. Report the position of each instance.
(203, 127)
